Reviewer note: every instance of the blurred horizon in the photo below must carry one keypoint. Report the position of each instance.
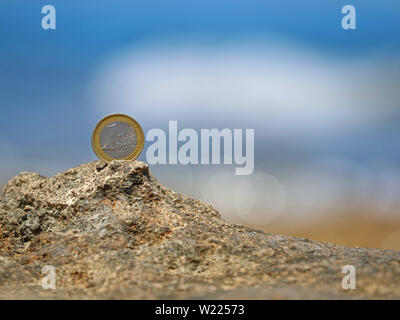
(324, 102)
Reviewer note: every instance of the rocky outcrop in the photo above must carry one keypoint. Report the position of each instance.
(112, 231)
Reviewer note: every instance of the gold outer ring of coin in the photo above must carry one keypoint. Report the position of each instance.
(121, 118)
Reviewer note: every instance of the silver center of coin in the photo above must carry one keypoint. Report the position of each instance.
(118, 139)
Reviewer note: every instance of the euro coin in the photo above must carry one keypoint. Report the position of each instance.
(117, 137)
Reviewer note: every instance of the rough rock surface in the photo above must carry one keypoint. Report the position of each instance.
(112, 231)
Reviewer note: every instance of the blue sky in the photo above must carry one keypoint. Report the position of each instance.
(43, 74)
(95, 27)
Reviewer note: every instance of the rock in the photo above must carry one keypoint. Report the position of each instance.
(112, 231)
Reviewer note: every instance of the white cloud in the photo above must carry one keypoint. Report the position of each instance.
(287, 88)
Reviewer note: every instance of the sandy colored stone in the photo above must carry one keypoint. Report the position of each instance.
(112, 231)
